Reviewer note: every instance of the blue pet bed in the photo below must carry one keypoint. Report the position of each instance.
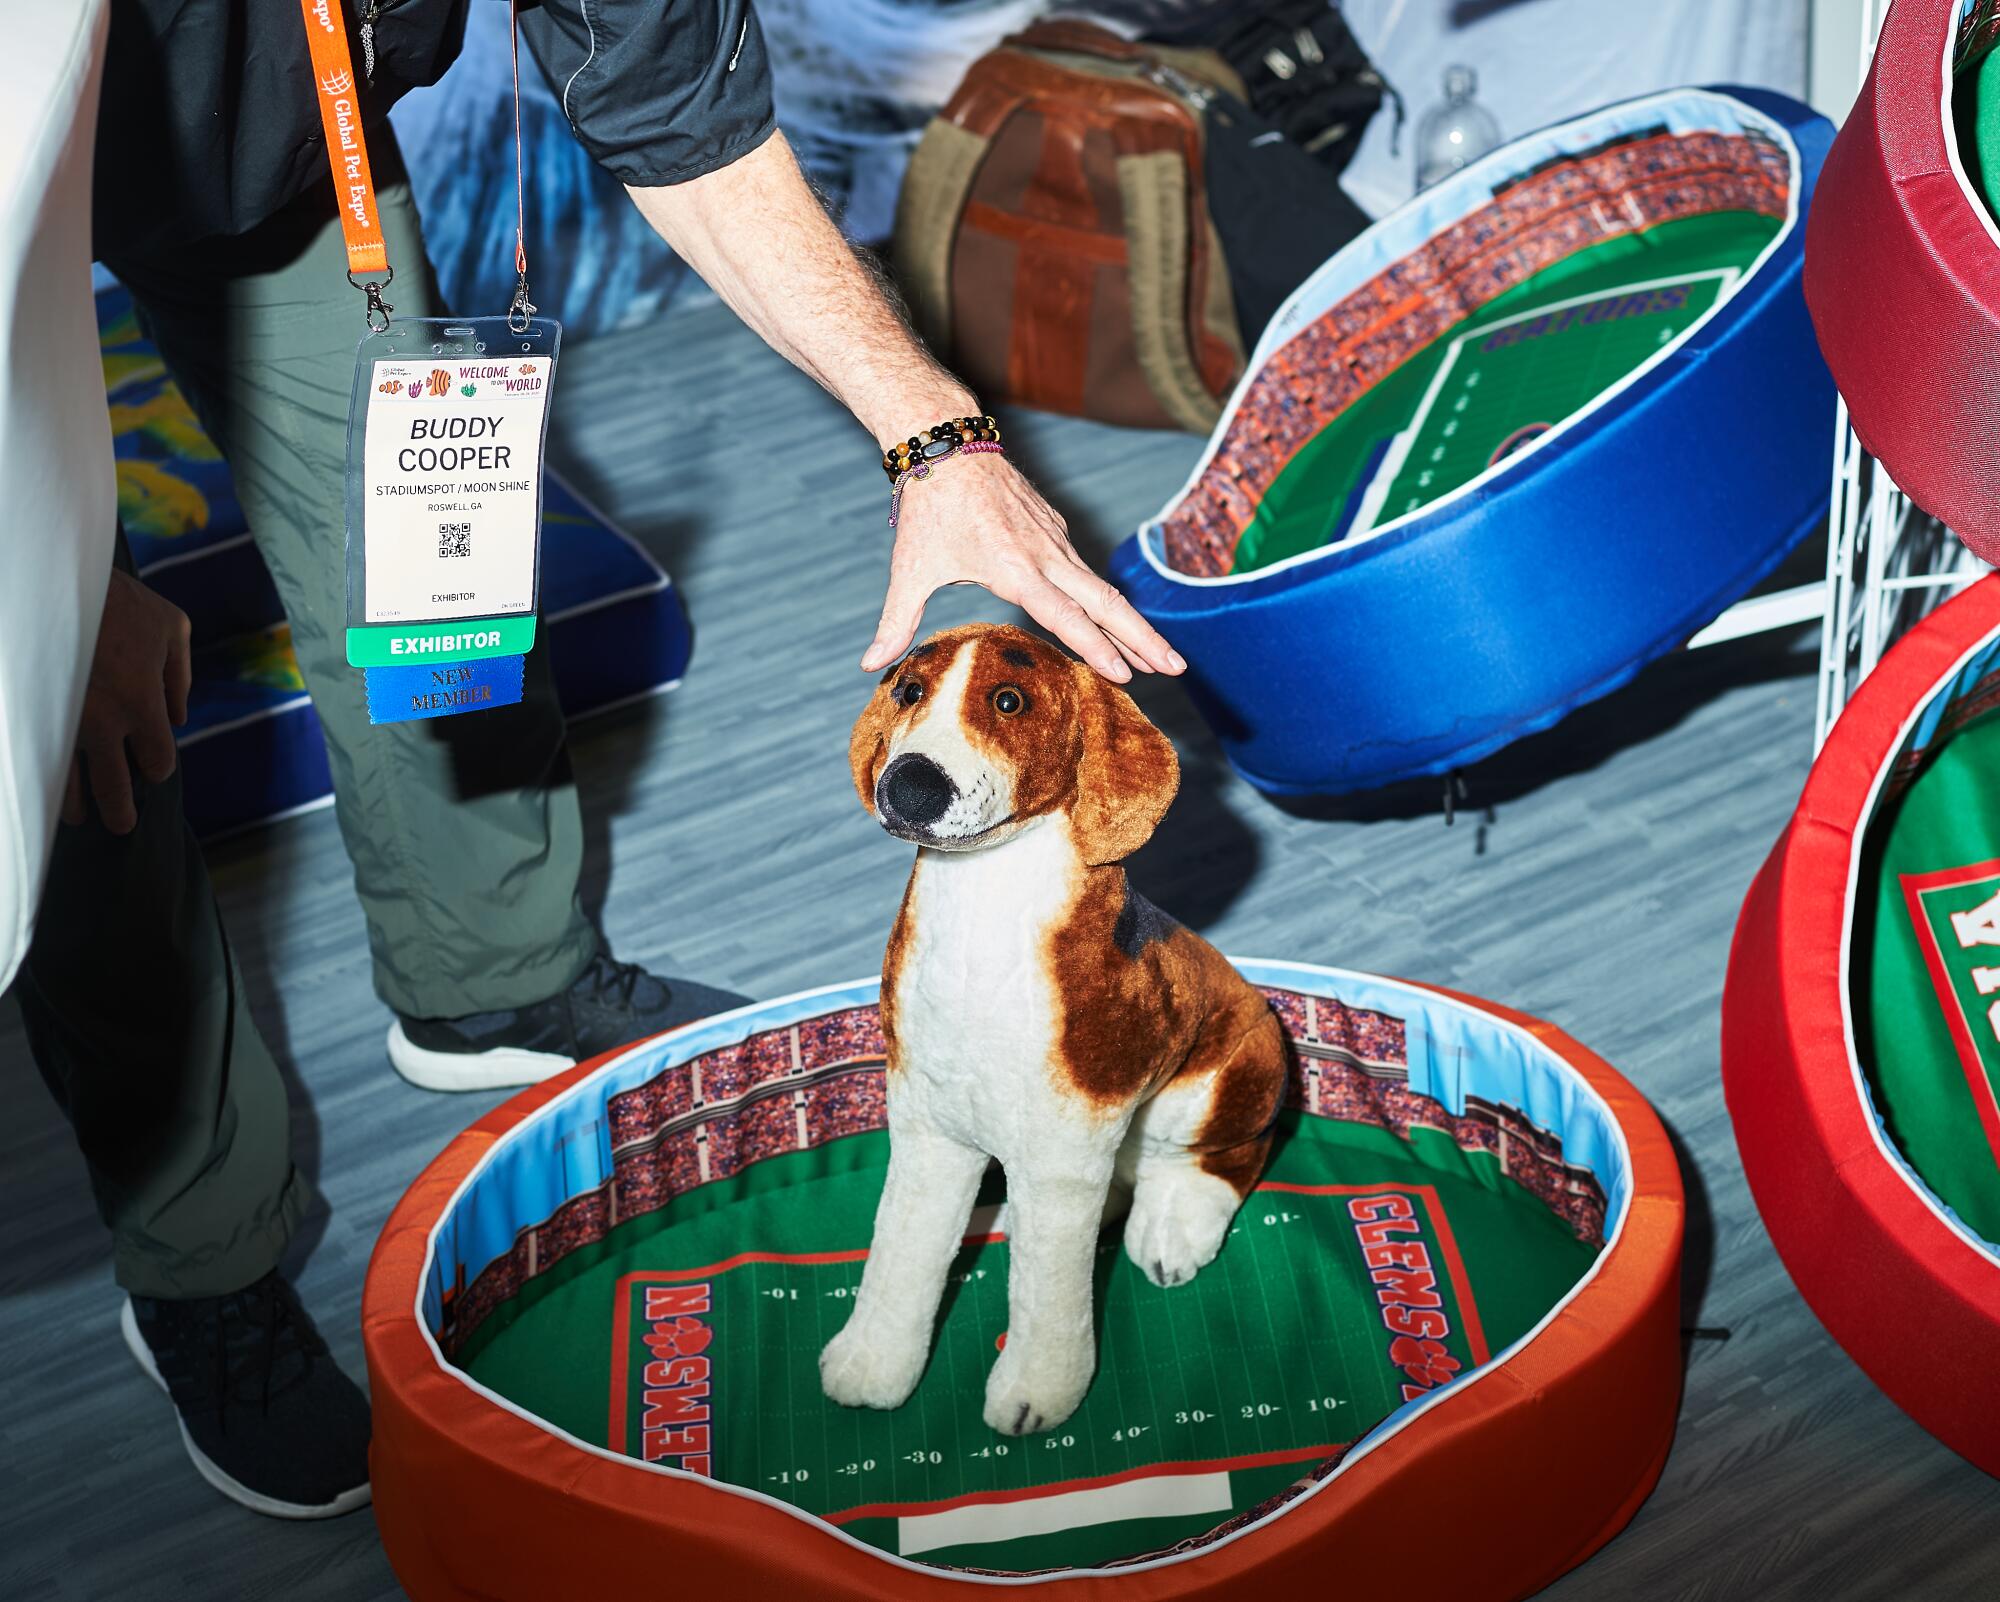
(1517, 440)
(252, 748)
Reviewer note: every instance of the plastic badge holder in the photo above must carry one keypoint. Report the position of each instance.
(447, 427)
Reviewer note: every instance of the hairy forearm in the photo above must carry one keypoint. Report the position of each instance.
(759, 236)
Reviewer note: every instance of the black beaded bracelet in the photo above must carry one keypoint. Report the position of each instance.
(940, 439)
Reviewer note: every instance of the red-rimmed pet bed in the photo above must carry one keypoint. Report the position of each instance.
(676, 1227)
(1858, 1042)
(1902, 276)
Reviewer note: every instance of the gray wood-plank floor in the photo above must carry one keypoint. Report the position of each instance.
(1599, 891)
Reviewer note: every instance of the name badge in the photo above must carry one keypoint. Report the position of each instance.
(444, 511)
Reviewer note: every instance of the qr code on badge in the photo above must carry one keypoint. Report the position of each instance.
(454, 539)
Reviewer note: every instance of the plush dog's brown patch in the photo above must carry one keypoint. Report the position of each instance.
(1147, 1003)
(1037, 742)
(1126, 1020)
(1237, 1050)
(892, 971)
(868, 745)
(1126, 778)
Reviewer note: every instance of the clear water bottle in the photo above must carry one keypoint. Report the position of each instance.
(1456, 131)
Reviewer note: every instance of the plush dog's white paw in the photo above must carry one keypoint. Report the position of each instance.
(1179, 1220)
(1027, 1392)
(860, 1368)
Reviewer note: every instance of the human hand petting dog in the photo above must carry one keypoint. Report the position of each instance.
(977, 520)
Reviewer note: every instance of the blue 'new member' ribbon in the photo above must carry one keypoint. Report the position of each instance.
(439, 689)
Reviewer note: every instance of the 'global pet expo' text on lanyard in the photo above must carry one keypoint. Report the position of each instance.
(444, 448)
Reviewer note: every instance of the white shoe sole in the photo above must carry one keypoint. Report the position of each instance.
(237, 1492)
(504, 1068)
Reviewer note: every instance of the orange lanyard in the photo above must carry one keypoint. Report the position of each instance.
(347, 152)
(354, 184)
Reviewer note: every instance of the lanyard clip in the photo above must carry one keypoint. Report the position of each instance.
(377, 306)
(523, 309)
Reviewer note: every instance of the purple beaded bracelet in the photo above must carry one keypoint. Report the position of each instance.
(922, 469)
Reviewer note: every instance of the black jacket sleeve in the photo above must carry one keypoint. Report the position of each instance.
(658, 91)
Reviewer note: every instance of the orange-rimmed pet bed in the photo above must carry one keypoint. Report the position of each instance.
(691, 1200)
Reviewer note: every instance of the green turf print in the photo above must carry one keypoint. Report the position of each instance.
(1392, 1248)
(1508, 382)
(1343, 464)
(1926, 972)
(1330, 1306)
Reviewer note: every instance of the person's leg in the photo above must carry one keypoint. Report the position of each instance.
(464, 831)
(136, 1019)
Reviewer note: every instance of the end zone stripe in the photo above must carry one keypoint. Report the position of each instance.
(1154, 1497)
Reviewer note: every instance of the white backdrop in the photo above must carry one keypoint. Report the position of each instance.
(856, 80)
(55, 434)
(1540, 61)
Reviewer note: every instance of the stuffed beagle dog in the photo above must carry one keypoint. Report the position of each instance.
(1040, 1011)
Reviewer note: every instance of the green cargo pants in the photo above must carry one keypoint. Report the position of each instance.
(463, 831)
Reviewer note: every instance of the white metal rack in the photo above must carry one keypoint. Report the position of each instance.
(1887, 561)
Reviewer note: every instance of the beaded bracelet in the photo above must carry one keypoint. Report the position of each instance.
(937, 442)
(923, 465)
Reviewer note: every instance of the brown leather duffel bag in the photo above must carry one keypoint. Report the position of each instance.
(1053, 236)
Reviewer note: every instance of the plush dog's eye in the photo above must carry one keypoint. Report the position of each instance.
(1007, 701)
(911, 693)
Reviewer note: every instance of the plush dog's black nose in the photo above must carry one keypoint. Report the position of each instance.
(915, 791)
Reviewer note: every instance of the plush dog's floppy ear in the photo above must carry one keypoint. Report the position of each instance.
(1126, 777)
(869, 744)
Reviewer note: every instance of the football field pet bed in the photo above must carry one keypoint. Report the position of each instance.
(593, 1327)
(1523, 436)
(1903, 262)
(1861, 1028)
(252, 747)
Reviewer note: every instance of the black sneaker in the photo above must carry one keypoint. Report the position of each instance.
(268, 1419)
(610, 1004)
